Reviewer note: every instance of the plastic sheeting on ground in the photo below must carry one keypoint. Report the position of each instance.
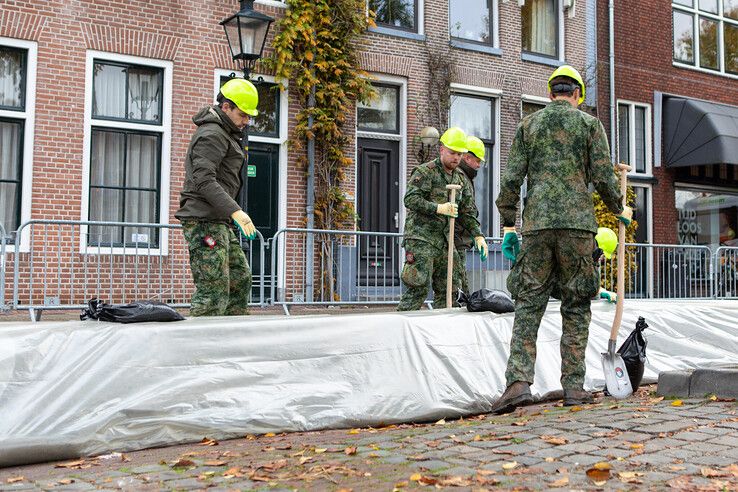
(71, 389)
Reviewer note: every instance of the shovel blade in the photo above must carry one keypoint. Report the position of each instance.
(616, 375)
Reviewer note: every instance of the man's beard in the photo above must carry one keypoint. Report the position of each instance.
(468, 170)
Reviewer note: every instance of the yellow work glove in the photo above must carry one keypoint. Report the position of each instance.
(481, 244)
(449, 209)
(626, 216)
(244, 224)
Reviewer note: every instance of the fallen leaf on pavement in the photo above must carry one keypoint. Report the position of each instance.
(677, 403)
(345, 490)
(66, 481)
(15, 479)
(432, 444)
(576, 409)
(283, 447)
(733, 469)
(598, 476)
(428, 480)
(350, 451)
(206, 441)
(629, 474)
(712, 473)
(206, 475)
(183, 463)
(510, 465)
(477, 438)
(561, 482)
(275, 465)
(71, 464)
(677, 468)
(602, 465)
(270, 434)
(416, 477)
(455, 481)
(215, 463)
(234, 472)
(305, 459)
(320, 450)
(636, 446)
(520, 423)
(441, 422)
(400, 485)
(259, 478)
(353, 431)
(556, 441)
(549, 459)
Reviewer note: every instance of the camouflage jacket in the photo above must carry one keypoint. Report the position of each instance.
(425, 190)
(561, 150)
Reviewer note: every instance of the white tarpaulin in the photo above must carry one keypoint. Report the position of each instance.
(71, 389)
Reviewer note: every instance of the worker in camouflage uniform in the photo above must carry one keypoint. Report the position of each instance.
(427, 224)
(207, 203)
(561, 150)
(463, 237)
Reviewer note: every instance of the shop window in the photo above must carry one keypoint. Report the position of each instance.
(13, 75)
(471, 20)
(707, 217)
(126, 139)
(540, 25)
(476, 116)
(634, 140)
(705, 35)
(397, 14)
(383, 113)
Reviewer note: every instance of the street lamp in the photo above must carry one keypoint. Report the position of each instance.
(428, 139)
(246, 32)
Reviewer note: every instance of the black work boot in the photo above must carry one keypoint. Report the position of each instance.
(577, 397)
(516, 395)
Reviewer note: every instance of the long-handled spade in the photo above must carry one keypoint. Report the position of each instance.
(616, 374)
(450, 261)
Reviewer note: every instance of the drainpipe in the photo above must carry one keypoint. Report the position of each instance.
(310, 208)
(613, 107)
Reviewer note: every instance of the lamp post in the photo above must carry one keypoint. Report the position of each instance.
(246, 32)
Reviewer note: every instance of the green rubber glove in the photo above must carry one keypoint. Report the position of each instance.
(244, 224)
(626, 216)
(610, 296)
(481, 245)
(510, 243)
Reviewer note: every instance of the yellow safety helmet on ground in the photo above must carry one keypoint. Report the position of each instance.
(475, 146)
(243, 94)
(607, 241)
(454, 139)
(572, 73)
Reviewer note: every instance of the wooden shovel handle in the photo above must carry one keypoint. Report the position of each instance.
(621, 255)
(450, 260)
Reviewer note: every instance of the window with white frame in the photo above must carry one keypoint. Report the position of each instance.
(540, 27)
(634, 136)
(126, 138)
(396, 14)
(530, 107)
(13, 126)
(706, 34)
(475, 114)
(471, 20)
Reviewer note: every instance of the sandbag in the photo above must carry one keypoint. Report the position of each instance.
(633, 352)
(136, 312)
(496, 301)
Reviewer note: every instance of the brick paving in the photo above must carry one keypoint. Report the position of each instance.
(642, 443)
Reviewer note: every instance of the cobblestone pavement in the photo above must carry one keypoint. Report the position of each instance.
(642, 443)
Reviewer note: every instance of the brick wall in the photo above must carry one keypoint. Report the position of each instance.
(643, 66)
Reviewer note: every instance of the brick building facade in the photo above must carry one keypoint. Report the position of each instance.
(100, 118)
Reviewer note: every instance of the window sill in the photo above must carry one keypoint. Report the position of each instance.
(543, 60)
(399, 33)
(482, 48)
(704, 70)
(642, 179)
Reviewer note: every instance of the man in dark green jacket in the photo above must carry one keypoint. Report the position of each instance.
(213, 164)
(561, 150)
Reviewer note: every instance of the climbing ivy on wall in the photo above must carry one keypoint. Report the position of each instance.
(315, 48)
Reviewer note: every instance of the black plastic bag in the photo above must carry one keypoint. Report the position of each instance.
(496, 301)
(136, 312)
(633, 352)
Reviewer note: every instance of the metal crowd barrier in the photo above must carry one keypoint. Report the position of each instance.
(725, 273)
(3, 261)
(348, 267)
(70, 262)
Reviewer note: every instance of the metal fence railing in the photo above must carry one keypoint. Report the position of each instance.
(319, 267)
(4, 239)
(725, 273)
(66, 263)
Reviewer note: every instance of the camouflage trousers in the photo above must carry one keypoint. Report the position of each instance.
(425, 266)
(219, 268)
(554, 259)
(464, 285)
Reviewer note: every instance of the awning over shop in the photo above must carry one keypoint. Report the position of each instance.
(698, 133)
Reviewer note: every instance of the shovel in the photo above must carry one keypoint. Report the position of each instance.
(616, 374)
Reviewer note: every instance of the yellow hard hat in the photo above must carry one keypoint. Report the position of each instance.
(607, 241)
(476, 147)
(454, 139)
(572, 73)
(243, 94)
